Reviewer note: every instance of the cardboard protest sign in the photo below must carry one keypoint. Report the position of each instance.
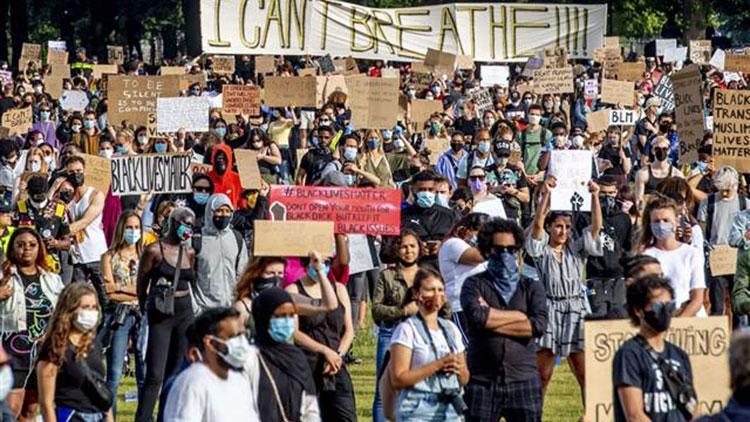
(482, 99)
(326, 64)
(553, 80)
(131, 98)
(241, 99)
(630, 71)
(437, 146)
(330, 86)
(663, 44)
(622, 117)
(247, 166)
(354, 210)
(295, 91)
(732, 129)
(700, 51)
(722, 260)
(443, 63)
(591, 89)
(494, 75)
(533, 63)
(74, 100)
(555, 57)
(665, 91)
(102, 69)
(688, 110)
(464, 62)
(374, 101)
(265, 64)
(162, 173)
(613, 42)
(172, 70)
(389, 72)
(705, 340)
(572, 169)
(293, 238)
(53, 82)
(115, 55)
(421, 110)
(311, 71)
(186, 80)
(18, 120)
(57, 57)
(189, 113)
(737, 63)
(610, 59)
(98, 172)
(361, 257)
(618, 92)
(29, 53)
(222, 64)
(675, 55)
(597, 121)
(422, 80)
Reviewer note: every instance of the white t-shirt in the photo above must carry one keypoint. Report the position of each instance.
(492, 206)
(199, 395)
(406, 334)
(453, 272)
(684, 269)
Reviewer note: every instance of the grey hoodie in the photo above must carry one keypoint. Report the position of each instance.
(219, 263)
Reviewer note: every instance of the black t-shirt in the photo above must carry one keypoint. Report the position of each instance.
(512, 177)
(313, 163)
(611, 154)
(633, 366)
(71, 388)
(617, 235)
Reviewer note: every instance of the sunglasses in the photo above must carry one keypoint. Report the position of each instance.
(201, 188)
(477, 177)
(497, 249)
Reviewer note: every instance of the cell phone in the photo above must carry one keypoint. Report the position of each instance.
(683, 224)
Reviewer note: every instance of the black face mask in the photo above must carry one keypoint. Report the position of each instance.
(660, 316)
(221, 167)
(222, 222)
(77, 180)
(263, 283)
(456, 147)
(665, 127)
(660, 154)
(609, 204)
(414, 170)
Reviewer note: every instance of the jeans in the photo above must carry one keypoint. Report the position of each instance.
(423, 406)
(92, 273)
(384, 341)
(115, 339)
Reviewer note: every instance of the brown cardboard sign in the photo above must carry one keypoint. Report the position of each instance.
(618, 92)
(18, 120)
(189, 79)
(421, 110)
(131, 98)
(247, 166)
(57, 57)
(265, 64)
(737, 63)
(98, 172)
(115, 55)
(688, 110)
(439, 59)
(53, 81)
(700, 51)
(298, 91)
(293, 238)
(373, 101)
(597, 121)
(30, 53)
(223, 64)
(101, 69)
(553, 80)
(722, 260)
(732, 129)
(241, 99)
(172, 70)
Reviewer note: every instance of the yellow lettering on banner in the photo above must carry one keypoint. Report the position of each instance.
(494, 25)
(243, 37)
(274, 14)
(414, 28)
(575, 33)
(325, 22)
(448, 23)
(515, 24)
(472, 10)
(218, 42)
(361, 20)
(299, 22)
(377, 30)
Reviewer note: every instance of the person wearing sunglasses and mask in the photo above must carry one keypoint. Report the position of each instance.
(658, 169)
(639, 372)
(484, 201)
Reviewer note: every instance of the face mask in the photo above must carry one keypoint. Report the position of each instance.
(37, 89)
(89, 124)
(142, 139)
(122, 150)
(131, 236)
(106, 153)
(526, 102)
(398, 145)
(431, 304)
(313, 274)
(442, 200)
(549, 104)
(662, 231)
(281, 329)
(503, 267)
(488, 123)
(75, 128)
(350, 179)
(77, 179)
(477, 186)
(102, 121)
(577, 142)
(86, 320)
(263, 283)
(425, 199)
(456, 147)
(372, 144)
(609, 204)
(429, 97)
(221, 131)
(258, 145)
(660, 316)
(350, 153)
(665, 127)
(160, 148)
(238, 351)
(412, 93)
(660, 154)
(184, 232)
(221, 222)
(436, 90)
(201, 197)
(701, 166)
(561, 141)
(35, 166)
(6, 382)
(387, 134)
(473, 241)
(434, 128)
(221, 167)
(483, 147)
(502, 161)
(534, 119)
(44, 115)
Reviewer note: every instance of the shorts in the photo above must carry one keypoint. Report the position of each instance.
(306, 119)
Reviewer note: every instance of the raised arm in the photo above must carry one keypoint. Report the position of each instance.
(596, 210)
(543, 207)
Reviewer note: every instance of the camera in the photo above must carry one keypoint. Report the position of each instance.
(455, 399)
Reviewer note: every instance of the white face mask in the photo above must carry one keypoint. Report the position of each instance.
(238, 351)
(534, 119)
(106, 153)
(35, 166)
(86, 320)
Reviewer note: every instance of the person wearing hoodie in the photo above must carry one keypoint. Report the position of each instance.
(226, 180)
(221, 257)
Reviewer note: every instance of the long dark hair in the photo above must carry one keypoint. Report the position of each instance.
(119, 239)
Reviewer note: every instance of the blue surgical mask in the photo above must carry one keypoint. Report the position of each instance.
(281, 329)
(483, 147)
(350, 179)
(142, 139)
(350, 153)
(441, 200)
(314, 274)
(314, 141)
(425, 199)
(201, 197)
(102, 122)
(221, 131)
(160, 148)
(184, 232)
(662, 231)
(44, 115)
(373, 144)
(89, 124)
(131, 236)
(122, 149)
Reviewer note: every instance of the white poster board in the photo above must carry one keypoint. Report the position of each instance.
(494, 75)
(622, 117)
(360, 258)
(572, 169)
(71, 100)
(663, 44)
(190, 113)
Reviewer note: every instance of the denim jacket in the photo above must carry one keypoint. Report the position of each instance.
(13, 309)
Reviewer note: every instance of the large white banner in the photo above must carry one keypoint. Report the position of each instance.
(489, 32)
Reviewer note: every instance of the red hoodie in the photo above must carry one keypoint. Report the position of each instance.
(229, 182)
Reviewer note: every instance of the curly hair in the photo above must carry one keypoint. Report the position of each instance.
(494, 226)
(61, 323)
(12, 261)
(639, 295)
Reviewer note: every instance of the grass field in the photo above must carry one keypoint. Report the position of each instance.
(563, 401)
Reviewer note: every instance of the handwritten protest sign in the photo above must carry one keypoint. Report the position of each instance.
(494, 75)
(732, 129)
(326, 64)
(718, 59)
(622, 117)
(665, 92)
(553, 80)
(247, 166)
(330, 87)
(482, 99)
(630, 71)
(133, 97)
(618, 92)
(189, 79)
(17, 120)
(361, 257)
(241, 99)
(310, 71)
(737, 63)
(30, 53)
(265, 64)
(57, 57)
(285, 91)
(700, 51)
(443, 63)
(74, 100)
(56, 45)
(98, 172)
(422, 80)
(688, 111)
(163, 173)
(597, 121)
(675, 55)
(374, 101)
(421, 110)
(722, 260)
(222, 64)
(115, 55)
(572, 169)
(53, 82)
(104, 69)
(663, 44)
(354, 210)
(274, 238)
(705, 340)
(189, 113)
(591, 89)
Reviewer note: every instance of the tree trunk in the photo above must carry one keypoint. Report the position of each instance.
(169, 40)
(695, 20)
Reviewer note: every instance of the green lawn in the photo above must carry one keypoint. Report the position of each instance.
(563, 401)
